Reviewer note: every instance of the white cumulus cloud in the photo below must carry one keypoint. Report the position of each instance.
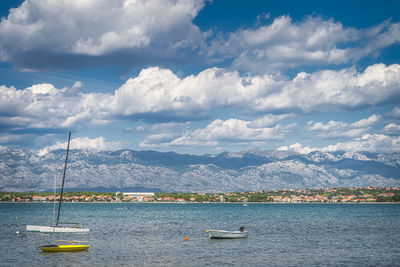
(395, 113)
(75, 31)
(286, 44)
(337, 129)
(392, 128)
(44, 106)
(367, 142)
(61, 34)
(232, 130)
(299, 148)
(98, 143)
(159, 95)
(160, 91)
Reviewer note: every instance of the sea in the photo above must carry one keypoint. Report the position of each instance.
(153, 234)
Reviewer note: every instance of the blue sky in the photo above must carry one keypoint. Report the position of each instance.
(200, 77)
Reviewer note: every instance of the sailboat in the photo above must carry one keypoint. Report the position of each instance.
(59, 227)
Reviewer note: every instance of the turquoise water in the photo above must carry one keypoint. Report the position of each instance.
(154, 234)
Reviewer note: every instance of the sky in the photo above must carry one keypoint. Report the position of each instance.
(200, 77)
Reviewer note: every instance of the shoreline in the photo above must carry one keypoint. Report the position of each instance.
(180, 203)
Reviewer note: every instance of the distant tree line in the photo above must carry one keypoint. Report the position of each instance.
(370, 194)
(394, 198)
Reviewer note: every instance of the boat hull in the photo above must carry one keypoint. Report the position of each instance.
(64, 248)
(222, 234)
(55, 229)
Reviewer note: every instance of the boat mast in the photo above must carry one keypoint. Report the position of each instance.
(62, 186)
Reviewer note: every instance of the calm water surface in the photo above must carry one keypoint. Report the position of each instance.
(154, 234)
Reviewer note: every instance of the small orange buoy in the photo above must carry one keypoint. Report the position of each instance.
(186, 238)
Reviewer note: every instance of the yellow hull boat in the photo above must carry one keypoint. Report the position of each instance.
(64, 248)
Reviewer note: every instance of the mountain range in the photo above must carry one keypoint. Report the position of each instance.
(253, 170)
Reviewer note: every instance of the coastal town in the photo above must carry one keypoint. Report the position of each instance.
(327, 195)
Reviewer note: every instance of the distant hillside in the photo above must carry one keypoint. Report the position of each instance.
(22, 170)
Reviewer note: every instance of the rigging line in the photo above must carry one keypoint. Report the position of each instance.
(62, 186)
(54, 197)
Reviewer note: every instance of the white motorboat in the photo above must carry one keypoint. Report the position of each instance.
(222, 234)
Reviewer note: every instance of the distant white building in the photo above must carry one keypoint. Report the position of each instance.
(139, 194)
